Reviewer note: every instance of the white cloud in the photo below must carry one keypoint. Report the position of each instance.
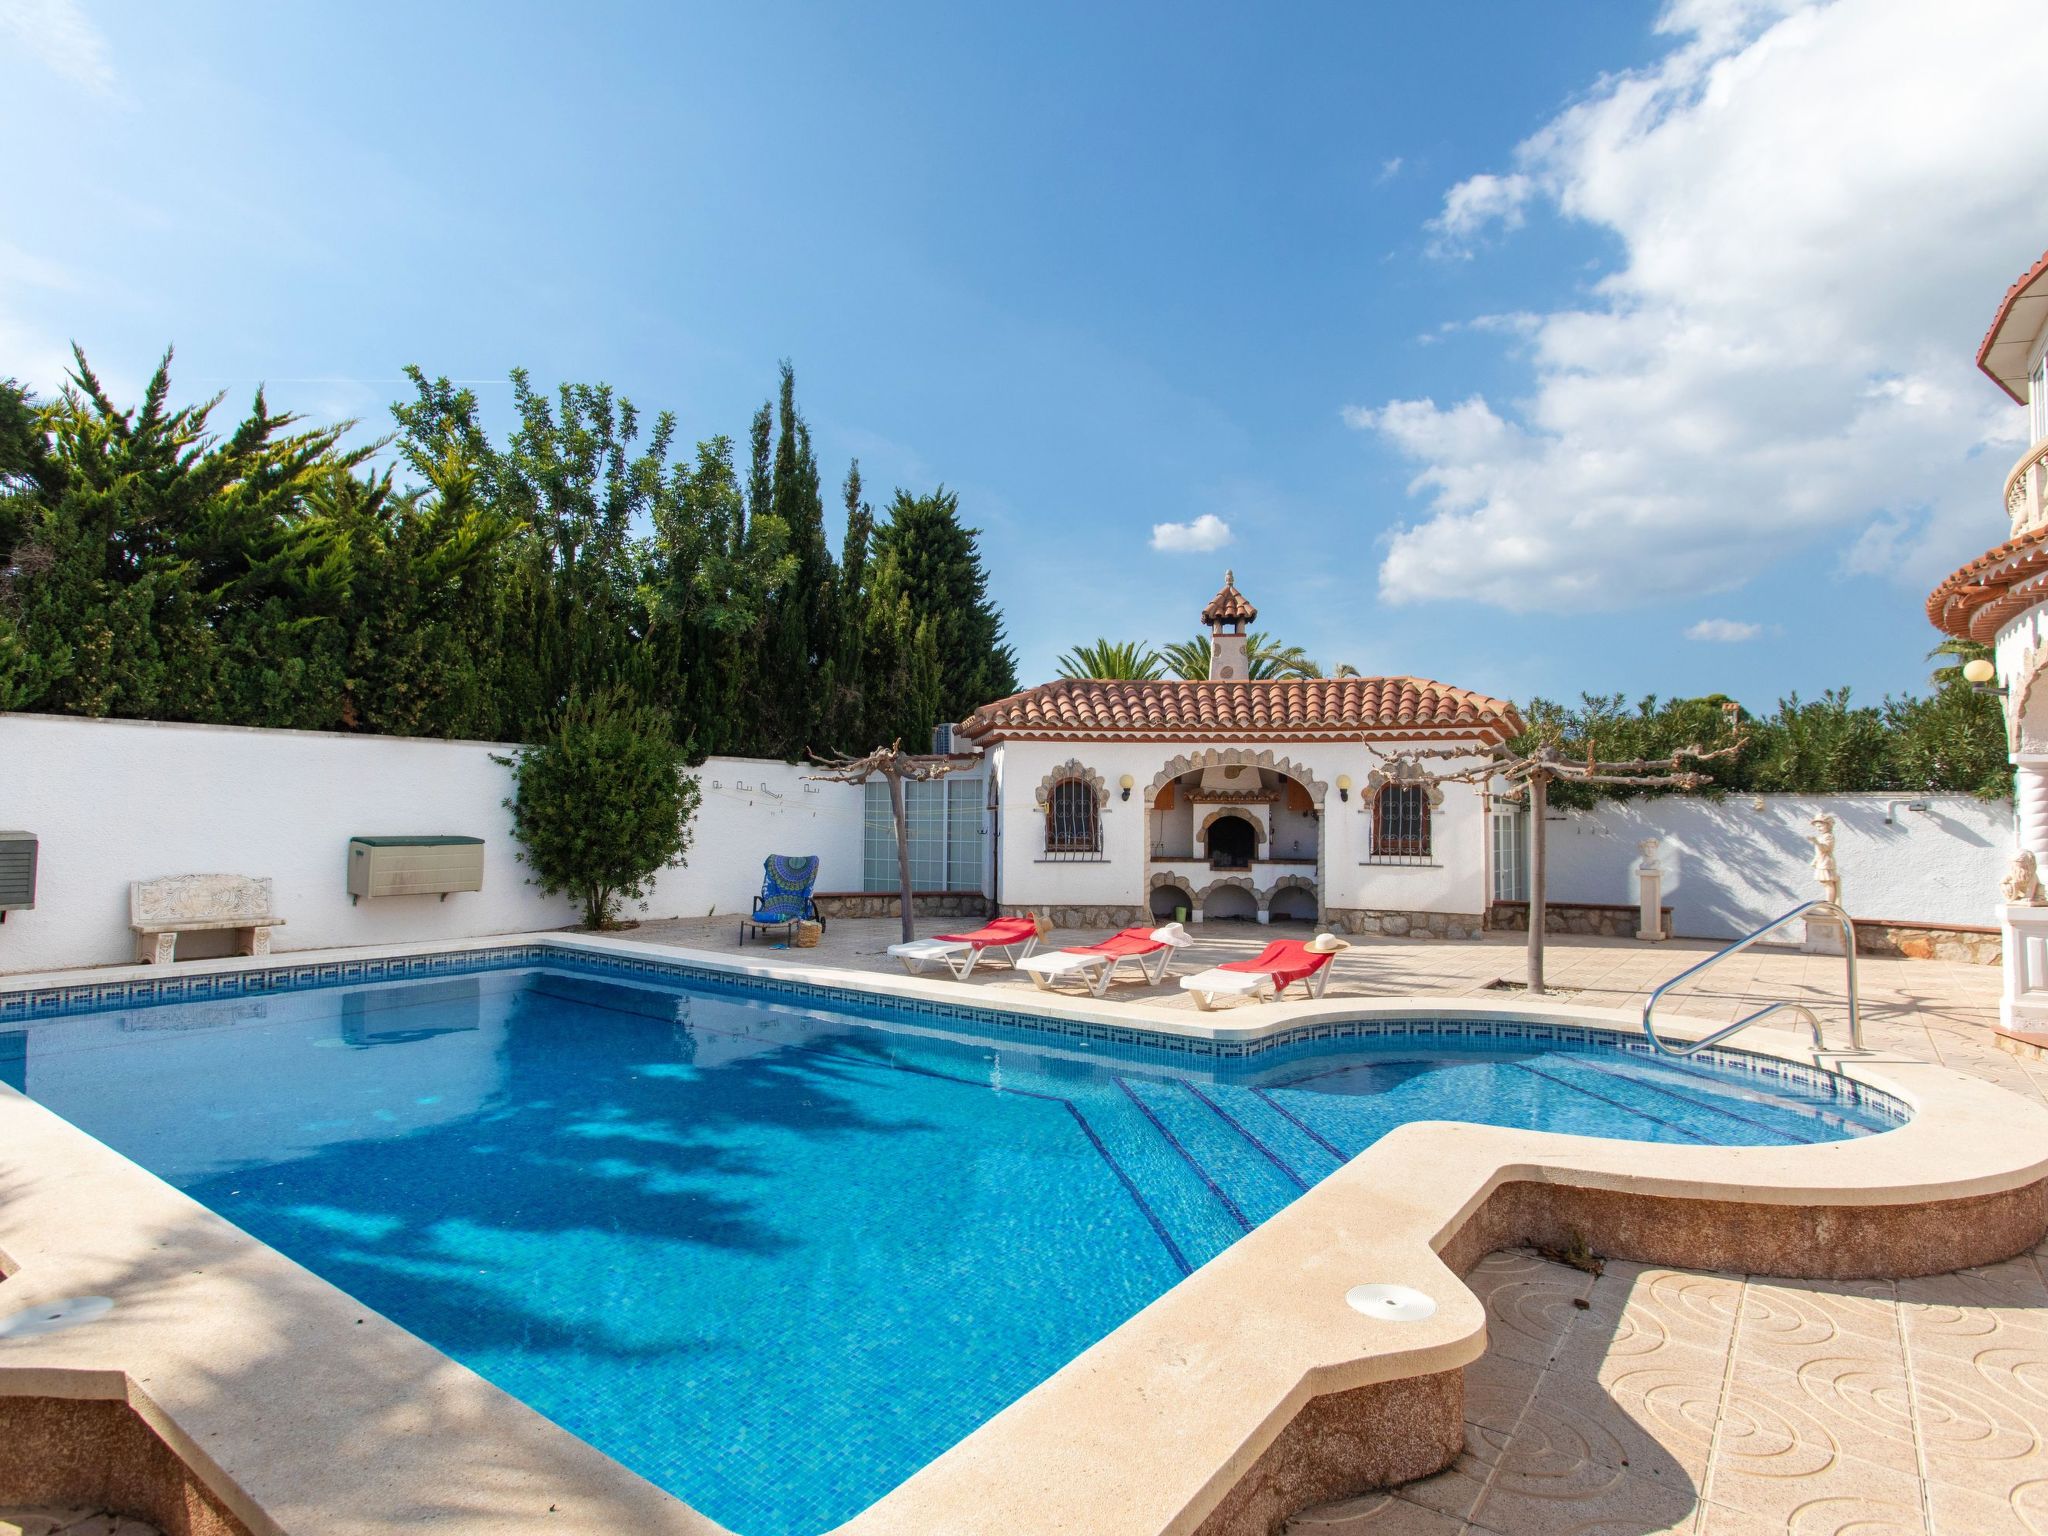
(1785, 349)
(1206, 532)
(1389, 169)
(61, 37)
(1475, 203)
(1724, 631)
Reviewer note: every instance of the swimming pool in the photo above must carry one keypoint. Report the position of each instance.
(776, 1255)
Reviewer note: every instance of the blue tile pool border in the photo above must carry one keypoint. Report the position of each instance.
(48, 1002)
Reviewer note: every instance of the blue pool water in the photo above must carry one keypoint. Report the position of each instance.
(776, 1257)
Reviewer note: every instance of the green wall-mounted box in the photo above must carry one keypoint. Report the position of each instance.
(414, 866)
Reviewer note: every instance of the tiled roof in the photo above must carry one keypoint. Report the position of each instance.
(1976, 601)
(1172, 710)
(2009, 343)
(1230, 605)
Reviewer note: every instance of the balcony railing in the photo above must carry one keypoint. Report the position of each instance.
(2026, 489)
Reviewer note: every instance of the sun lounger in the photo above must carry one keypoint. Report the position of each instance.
(1012, 937)
(1096, 964)
(1275, 968)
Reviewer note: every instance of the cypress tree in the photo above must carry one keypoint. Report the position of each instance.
(935, 569)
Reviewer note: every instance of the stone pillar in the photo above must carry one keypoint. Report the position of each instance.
(2030, 802)
(2024, 1006)
(1649, 893)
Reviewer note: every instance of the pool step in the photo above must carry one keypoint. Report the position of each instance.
(1173, 1191)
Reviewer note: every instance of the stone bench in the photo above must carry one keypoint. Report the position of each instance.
(160, 910)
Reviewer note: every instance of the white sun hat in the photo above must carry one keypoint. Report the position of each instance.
(1325, 944)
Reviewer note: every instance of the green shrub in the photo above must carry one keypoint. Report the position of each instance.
(603, 804)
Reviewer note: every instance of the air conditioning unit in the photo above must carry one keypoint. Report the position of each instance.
(414, 866)
(942, 740)
(17, 872)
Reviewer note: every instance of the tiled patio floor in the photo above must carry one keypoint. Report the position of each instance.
(1720, 1405)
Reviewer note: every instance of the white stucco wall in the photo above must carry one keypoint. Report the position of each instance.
(115, 801)
(1729, 866)
(1455, 882)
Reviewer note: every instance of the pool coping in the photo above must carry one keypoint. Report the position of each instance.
(1149, 1430)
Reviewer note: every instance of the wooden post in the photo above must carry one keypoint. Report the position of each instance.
(897, 810)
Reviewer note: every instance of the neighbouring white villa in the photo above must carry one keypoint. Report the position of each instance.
(1239, 798)
(2001, 599)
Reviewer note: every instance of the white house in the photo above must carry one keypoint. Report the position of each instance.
(1239, 798)
(2001, 599)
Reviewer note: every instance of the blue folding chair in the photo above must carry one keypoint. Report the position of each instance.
(785, 900)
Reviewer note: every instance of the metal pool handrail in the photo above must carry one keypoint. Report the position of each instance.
(1828, 911)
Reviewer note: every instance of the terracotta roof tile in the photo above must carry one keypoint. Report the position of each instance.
(1242, 710)
(1974, 602)
(1229, 606)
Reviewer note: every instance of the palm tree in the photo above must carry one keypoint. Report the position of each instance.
(1190, 658)
(1123, 659)
(1963, 653)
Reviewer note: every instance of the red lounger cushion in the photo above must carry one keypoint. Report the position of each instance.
(1285, 960)
(1132, 941)
(1004, 930)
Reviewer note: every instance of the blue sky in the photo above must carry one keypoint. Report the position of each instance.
(1524, 347)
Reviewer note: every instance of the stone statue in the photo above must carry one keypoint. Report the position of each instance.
(2022, 883)
(1646, 851)
(1824, 869)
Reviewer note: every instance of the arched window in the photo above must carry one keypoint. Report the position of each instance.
(1071, 822)
(1400, 822)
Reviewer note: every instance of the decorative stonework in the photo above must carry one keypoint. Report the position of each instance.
(1080, 917)
(834, 904)
(1285, 883)
(1380, 778)
(198, 899)
(2026, 726)
(1244, 757)
(1913, 941)
(1405, 925)
(1073, 768)
(160, 909)
(1604, 920)
(1238, 882)
(1259, 833)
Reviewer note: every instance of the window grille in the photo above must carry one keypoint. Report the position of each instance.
(1072, 825)
(1400, 825)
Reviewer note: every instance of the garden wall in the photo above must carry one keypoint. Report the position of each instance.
(120, 800)
(1731, 865)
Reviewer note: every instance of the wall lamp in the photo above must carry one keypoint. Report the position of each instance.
(1343, 786)
(1125, 784)
(1979, 674)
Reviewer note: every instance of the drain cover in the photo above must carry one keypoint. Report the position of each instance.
(54, 1316)
(1394, 1303)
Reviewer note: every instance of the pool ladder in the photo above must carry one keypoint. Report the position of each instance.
(1827, 911)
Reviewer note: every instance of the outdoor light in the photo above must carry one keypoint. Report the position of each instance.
(1125, 784)
(1343, 786)
(1978, 672)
